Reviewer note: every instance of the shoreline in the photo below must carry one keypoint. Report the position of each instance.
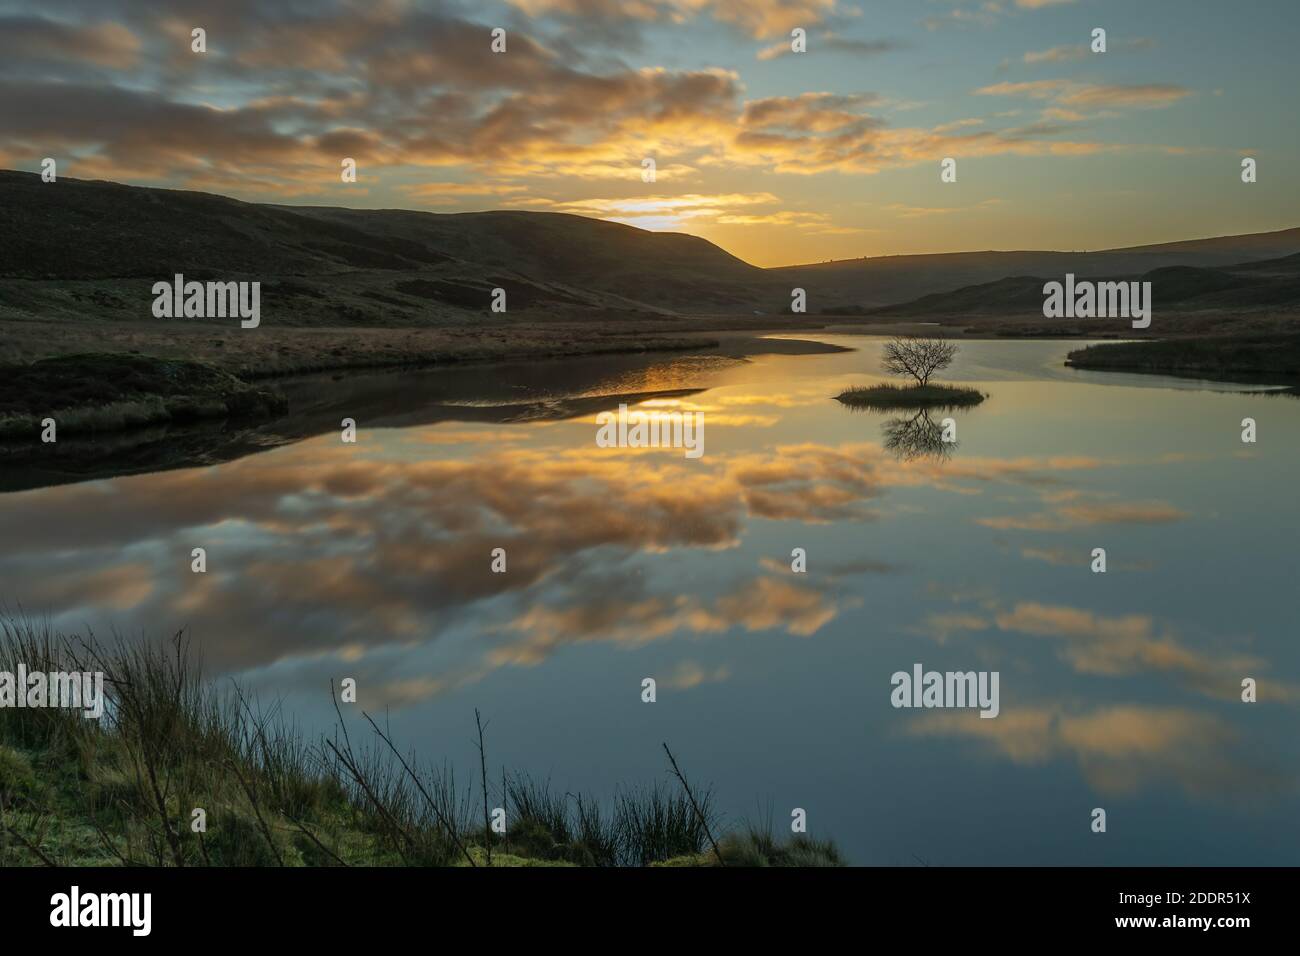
(1261, 358)
(230, 378)
(1258, 359)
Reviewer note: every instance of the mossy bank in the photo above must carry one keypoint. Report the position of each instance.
(181, 771)
(97, 392)
(1273, 357)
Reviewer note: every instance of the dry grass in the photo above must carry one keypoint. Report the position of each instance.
(267, 351)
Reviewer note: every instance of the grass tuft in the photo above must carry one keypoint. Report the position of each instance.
(123, 790)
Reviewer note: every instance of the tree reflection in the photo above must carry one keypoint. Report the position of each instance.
(917, 437)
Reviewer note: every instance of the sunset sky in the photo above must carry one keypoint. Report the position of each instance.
(778, 157)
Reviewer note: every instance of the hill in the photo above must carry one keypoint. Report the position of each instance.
(86, 247)
(1272, 284)
(89, 252)
(883, 280)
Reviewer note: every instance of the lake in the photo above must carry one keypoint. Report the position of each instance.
(1118, 690)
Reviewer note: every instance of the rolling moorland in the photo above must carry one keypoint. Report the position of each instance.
(347, 288)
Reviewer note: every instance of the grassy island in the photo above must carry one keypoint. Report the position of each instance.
(910, 396)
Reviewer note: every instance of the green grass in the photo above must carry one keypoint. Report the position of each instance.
(95, 392)
(754, 846)
(910, 396)
(121, 790)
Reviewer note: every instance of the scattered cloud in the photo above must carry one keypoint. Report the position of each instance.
(755, 18)
(105, 44)
(1076, 95)
(691, 674)
(831, 42)
(1069, 514)
(1074, 52)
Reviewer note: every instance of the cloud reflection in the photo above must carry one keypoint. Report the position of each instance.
(1123, 748)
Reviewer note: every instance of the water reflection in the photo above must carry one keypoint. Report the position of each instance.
(374, 559)
(919, 436)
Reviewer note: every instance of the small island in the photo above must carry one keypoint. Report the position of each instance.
(921, 359)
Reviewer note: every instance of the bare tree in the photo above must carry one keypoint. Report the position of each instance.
(919, 358)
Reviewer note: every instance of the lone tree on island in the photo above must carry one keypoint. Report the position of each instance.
(919, 358)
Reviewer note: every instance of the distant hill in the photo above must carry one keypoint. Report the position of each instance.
(335, 265)
(885, 280)
(668, 269)
(91, 250)
(1272, 283)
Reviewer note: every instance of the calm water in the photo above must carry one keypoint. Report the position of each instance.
(1118, 690)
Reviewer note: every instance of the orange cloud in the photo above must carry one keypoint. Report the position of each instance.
(1075, 515)
(757, 18)
(104, 44)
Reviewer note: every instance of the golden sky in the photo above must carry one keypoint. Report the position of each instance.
(779, 156)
